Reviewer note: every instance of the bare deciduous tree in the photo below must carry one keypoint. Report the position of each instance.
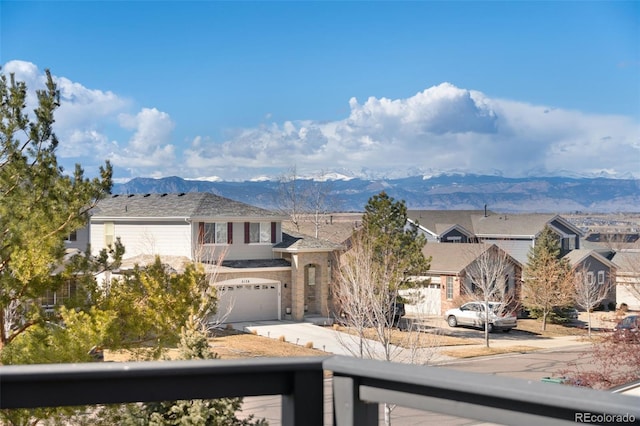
(368, 294)
(290, 199)
(490, 273)
(588, 292)
(305, 200)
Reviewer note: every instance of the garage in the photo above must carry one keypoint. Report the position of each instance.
(424, 300)
(248, 299)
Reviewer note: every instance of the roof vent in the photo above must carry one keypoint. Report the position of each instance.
(163, 195)
(131, 195)
(181, 194)
(146, 195)
(115, 196)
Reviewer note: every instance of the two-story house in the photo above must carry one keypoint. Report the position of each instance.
(514, 233)
(261, 272)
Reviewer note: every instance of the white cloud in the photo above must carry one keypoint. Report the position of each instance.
(87, 117)
(153, 130)
(441, 128)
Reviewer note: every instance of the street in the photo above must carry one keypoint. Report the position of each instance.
(527, 366)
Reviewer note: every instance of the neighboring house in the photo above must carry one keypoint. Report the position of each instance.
(628, 278)
(449, 280)
(595, 268)
(264, 273)
(514, 233)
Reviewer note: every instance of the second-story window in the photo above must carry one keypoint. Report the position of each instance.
(73, 236)
(260, 232)
(214, 233)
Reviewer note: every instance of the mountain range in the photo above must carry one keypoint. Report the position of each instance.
(441, 192)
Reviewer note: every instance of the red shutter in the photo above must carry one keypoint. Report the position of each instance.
(247, 228)
(273, 232)
(229, 232)
(200, 232)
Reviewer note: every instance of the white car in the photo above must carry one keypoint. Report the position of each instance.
(473, 314)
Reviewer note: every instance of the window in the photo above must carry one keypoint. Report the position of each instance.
(311, 275)
(260, 232)
(600, 277)
(457, 239)
(109, 234)
(57, 298)
(215, 233)
(449, 288)
(73, 236)
(591, 279)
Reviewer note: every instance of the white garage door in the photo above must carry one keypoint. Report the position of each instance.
(253, 299)
(423, 300)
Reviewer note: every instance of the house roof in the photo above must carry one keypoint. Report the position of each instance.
(337, 231)
(627, 261)
(452, 258)
(576, 257)
(527, 225)
(487, 223)
(438, 221)
(191, 205)
(293, 241)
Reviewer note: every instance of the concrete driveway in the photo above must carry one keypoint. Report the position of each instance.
(327, 339)
(324, 338)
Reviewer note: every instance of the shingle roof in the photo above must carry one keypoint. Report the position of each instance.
(292, 241)
(450, 257)
(481, 224)
(511, 224)
(440, 220)
(187, 205)
(627, 261)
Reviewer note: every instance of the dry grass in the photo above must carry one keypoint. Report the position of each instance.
(424, 340)
(534, 327)
(484, 351)
(231, 344)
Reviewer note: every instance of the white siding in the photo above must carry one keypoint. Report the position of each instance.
(164, 238)
(238, 250)
(628, 292)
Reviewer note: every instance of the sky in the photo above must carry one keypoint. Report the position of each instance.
(243, 90)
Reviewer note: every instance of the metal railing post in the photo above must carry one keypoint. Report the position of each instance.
(348, 408)
(305, 405)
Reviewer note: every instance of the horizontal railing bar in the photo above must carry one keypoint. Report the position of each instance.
(432, 387)
(53, 385)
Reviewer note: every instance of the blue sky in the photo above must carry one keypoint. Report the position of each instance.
(239, 90)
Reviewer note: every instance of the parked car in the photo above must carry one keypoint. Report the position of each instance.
(397, 309)
(628, 330)
(473, 314)
(630, 323)
(567, 313)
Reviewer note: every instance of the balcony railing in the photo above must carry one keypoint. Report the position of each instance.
(359, 386)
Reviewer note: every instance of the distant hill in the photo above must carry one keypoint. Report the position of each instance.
(444, 192)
